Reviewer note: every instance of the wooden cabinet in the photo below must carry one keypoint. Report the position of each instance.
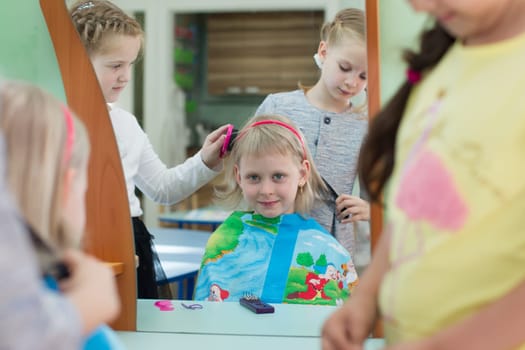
(261, 52)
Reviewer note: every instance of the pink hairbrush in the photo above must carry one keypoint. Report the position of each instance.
(231, 134)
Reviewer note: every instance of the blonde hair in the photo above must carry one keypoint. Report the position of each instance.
(98, 20)
(348, 23)
(267, 138)
(35, 130)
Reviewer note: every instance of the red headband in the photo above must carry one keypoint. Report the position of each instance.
(70, 136)
(280, 123)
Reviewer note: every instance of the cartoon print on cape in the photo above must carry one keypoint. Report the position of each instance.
(288, 259)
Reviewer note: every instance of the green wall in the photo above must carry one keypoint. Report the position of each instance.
(26, 49)
(399, 29)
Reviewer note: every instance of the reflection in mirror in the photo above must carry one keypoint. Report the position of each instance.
(213, 96)
(257, 53)
(226, 63)
(203, 64)
(334, 124)
(205, 82)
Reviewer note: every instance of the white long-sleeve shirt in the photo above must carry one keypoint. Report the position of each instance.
(143, 168)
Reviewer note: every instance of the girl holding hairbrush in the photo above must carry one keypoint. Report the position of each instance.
(47, 152)
(114, 42)
(333, 126)
(272, 249)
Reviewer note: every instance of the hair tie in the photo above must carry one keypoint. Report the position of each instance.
(413, 76)
(85, 5)
(70, 134)
(336, 22)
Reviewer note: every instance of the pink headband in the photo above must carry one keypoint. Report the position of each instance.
(70, 136)
(280, 123)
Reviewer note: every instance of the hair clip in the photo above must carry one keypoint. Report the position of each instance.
(413, 76)
(192, 306)
(85, 5)
(164, 305)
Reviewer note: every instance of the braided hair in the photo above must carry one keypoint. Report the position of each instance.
(95, 20)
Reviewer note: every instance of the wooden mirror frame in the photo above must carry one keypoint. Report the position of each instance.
(374, 105)
(109, 234)
(374, 97)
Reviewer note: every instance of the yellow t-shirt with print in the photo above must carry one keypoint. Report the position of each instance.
(456, 199)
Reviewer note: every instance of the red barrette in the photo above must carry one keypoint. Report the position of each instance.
(413, 76)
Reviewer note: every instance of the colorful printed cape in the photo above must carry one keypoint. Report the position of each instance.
(288, 259)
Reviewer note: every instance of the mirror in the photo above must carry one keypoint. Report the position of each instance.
(174, 18)
(158, 89)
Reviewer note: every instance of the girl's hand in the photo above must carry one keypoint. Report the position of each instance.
(91, 287)
(211, 148)
(351, 209)
(424, 344)
(349, 326)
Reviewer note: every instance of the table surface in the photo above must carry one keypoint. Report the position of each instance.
(169, 341)
(225, 325)
(233, 319)
(206, 215)
(180, 250)
(228, 325)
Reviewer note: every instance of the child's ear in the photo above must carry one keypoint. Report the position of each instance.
(305, 172)
(321, 51)
(237, 174)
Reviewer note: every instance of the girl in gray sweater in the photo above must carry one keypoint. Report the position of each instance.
(333, 126)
